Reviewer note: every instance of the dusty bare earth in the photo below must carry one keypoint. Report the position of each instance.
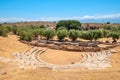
(11, 44)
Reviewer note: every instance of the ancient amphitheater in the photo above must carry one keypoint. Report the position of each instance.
(31, 59)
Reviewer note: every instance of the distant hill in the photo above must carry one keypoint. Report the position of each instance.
(53, 24)
(37, 23)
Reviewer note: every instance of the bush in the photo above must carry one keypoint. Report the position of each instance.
(61, 34)
(91, 35)
(107, 27)
(36, 33)
(97, 34)
(105, 33)
(41, 32)
(27, 36)
(73, 34)
(42, 26)
(48, 33)
(86, 35)
(3, 31)
(114, 35)
(14, 29)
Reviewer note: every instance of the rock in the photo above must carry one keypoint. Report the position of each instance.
(66, 43)
(57, 43)
(50, 42)
(56, 47)
(113, 51)
(63, 47)
(92, 45)
(88, 49)
(32, 43)
(75, 44)
(42, 44)
(83, 44)
(42, 41)
(3, 72)
(72, 48)
(81, 48)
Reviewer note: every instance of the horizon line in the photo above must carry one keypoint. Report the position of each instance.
(52, 19)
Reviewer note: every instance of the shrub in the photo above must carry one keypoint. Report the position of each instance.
(107, 27)
(27, 36)
(91, 35)
(105, 33)
(14, 29)
(61, 34)
(41, 26)
(48, 33)
(41, 32)
(3, 31)
(73, 34)
(114, 35)
(36, 33)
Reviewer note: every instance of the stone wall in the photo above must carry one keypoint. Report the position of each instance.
(69, 46)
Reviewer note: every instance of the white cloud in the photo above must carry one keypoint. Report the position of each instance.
(110, 16)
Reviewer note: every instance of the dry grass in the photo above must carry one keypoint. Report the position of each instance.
(10, 44)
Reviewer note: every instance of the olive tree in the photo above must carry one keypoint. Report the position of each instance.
(3, 31)
(25, 35)
(91, 35)
(114, 35)
(61, 34)
(36, 33)
(73, 34)
(48, 33)
(69, 24)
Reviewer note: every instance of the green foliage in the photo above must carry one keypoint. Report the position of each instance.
(41, 32)
(73, 34)
(91, 35)
(36, 33)
(97, 34)
(61, 28)
(48, 33)
(112, 28)
(69, 24)
(87, 35)
(14, 29)
(27, 36)
(107, 22)
(3, 31)
(105, 33)
(61, 34)
(114, 35)
(107, 27)
(41, 26)
(4, 34)
(117, 29)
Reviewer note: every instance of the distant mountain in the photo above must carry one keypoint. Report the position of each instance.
(112, 20)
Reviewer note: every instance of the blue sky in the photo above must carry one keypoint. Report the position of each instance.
(46, 10)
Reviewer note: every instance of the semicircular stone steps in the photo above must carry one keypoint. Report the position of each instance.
(94, 60)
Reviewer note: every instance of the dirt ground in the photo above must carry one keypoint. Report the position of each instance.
(11, 44)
